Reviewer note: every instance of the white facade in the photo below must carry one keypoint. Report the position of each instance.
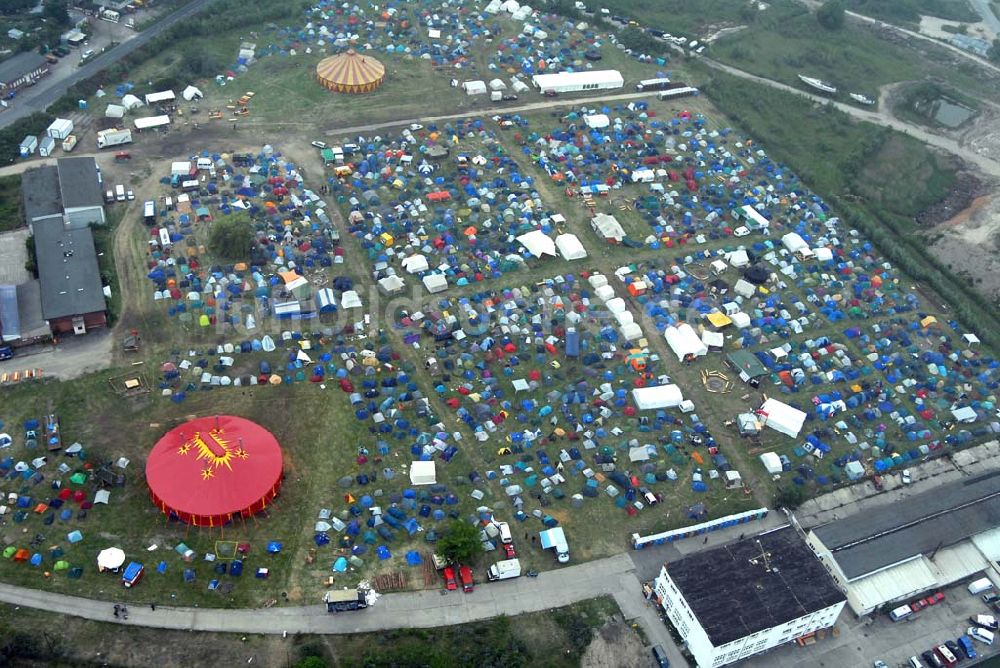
(708, 655)
(570, 82)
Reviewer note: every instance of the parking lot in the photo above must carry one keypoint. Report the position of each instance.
(861, 642)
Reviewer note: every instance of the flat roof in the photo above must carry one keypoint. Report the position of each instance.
(734, 592)
(584, 77)
(67, 270)
(929, 520)
(40, 193)
(747, 362)
(78, 183)
(29, 309)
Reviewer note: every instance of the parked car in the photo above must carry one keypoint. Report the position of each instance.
(984, 621)
(880, 664)
(935, 598)
(465, 575)
(509, 551)
(6, 352)
(130, 195)
(905, 477)
(967, 647)
(918, 605)
(990, 598)
(449, 578)
(660, 656)
(319, 144)
(550, 93)
(932, 659)
(982, 635)
(954, 648)
(509, 98)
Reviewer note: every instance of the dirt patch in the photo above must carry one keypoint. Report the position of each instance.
(967, 243)
(615, 644)
(968, 187)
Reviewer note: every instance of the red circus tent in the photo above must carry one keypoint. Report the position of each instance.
(212, 470)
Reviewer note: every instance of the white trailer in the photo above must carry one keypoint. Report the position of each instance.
(69, 143)
(60, 128)
(504, 570)
(113, 137)
(119, 193)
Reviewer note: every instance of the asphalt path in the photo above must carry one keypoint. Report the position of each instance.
(45, 92)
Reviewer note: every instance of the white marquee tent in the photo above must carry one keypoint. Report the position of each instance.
(660, 396)
(783, 418)
(684, 341)
(570, 247)
(423, 473)
(538, 243)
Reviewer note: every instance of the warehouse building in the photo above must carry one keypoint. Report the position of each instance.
(744, 598)
(573, 82)
(897, 552)
(72, 297)
(21, 70)
(69, 192)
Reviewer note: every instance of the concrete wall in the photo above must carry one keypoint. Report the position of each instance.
(91, 321)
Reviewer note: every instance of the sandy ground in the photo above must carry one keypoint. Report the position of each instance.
(968, 243)
(616, 645)
(931, 26)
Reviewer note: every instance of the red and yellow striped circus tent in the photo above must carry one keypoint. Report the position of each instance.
(350, 73)
(212, 470)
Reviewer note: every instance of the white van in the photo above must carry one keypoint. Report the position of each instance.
(980, 585)
(505, 536)
(120, 193)
(982, 635)
(914, 662)
(900, 612)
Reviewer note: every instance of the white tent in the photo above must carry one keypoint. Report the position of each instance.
(415, 264)
(597, 121)
(712, 339)
(477, 87)
(771, 462)
(191, 93)
(151, 122)
(823, 254)
(423, 473)
(435, 283)
(161, 96)
(684, 341)
(570, 247)
(740, 319)
(114, 111)
(738, 258)
(497, 84)
(745, 289)
(391, 285)
(964, 414)
(660, 396)
(783, 418)
(631, 331)
(350, 299)
(608, 227)
(131, 102)
(538, 243)
(796, 244)
(638, 454)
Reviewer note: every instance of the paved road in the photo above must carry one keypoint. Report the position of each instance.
(45, 92)
(982, 7)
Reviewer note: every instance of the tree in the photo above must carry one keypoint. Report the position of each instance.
(460, 542)
(231, 237)
(994, 52)
(311, 662)
(56, 12)
(831, 15)
(790, 497)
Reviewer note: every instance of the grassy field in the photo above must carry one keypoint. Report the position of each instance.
(556, 638)
(11, 215)
(684, 18)
(909, 11)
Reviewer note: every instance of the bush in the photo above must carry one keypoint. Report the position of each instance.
(231, 237)
(831, 15)
(460, 542)
(31, 264)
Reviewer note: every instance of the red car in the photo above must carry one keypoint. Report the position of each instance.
(934, 599)
(508, 549)
(918, 605)
(465, 575)
(449, 578)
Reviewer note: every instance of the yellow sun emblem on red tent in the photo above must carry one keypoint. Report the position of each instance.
(214, 449)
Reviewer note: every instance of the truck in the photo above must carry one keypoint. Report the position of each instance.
(110, 15)
(149, 212)
(555, 539)
(345, 600)
(119, 193)
(113, 137)
(504, 570)
(979, 586)
(130, 23)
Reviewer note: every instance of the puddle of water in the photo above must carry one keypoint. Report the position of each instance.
(945, 111)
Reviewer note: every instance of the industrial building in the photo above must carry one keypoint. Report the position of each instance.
(898, 551)
(22, 69)
(744, 598)
(72, 296)
(69, 191)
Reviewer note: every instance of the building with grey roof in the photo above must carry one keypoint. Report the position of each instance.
(22, 69)
(40, 194)
(734, 601)
(80, 191)
(72, 297)
(899, 551)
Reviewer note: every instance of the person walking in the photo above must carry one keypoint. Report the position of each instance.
(152, 606)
